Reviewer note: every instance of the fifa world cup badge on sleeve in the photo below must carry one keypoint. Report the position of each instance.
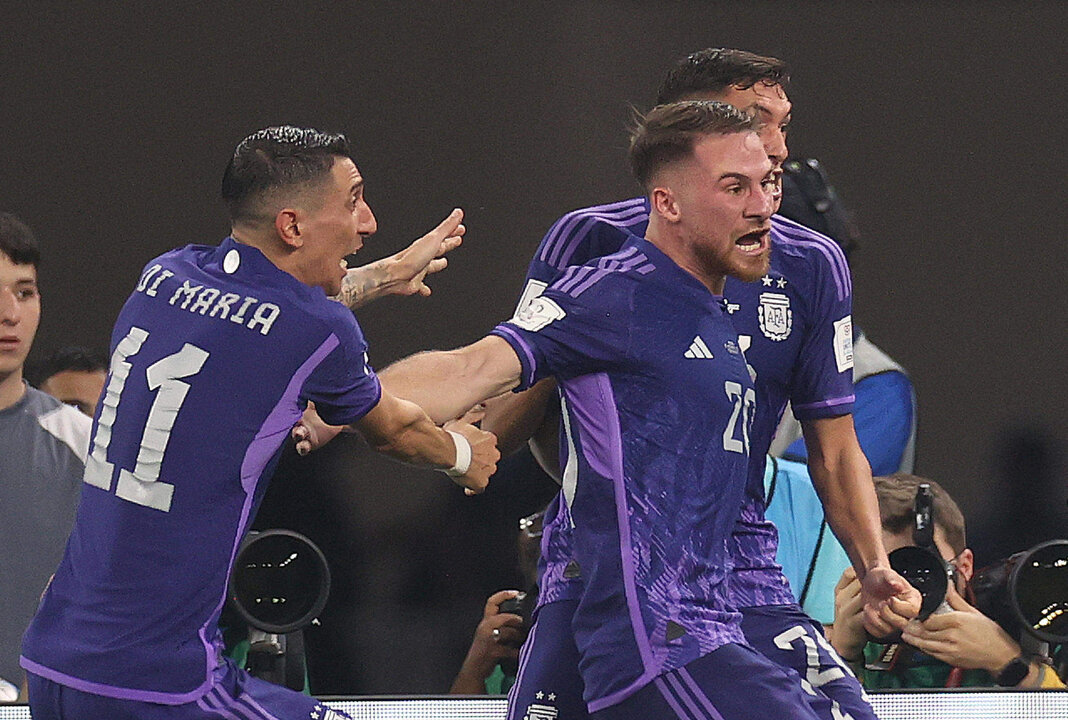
(538, 313)
(776, 317)
(843, 343)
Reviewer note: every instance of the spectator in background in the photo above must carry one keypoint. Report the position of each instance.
(75, 376)
(884, 416)
(956, 646)
(884, 412)
(491, 662)
(43, 444)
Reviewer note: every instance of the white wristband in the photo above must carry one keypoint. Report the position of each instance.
(463, 455)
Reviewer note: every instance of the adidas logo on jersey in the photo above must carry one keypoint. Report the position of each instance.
(698, 349)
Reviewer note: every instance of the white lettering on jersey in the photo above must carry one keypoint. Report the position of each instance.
(212, 302)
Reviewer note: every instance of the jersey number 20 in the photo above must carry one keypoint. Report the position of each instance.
(744, 405)
(141, 485)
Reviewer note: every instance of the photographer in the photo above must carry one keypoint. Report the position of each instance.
(957, 645)
(491, 662)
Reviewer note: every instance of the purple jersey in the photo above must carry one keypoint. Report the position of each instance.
(647, 362)
(795, 326)
(213, 359)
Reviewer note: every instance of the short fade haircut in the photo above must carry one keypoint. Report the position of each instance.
(18, 242)
(71, 357)
(897, 507)
(278, 158)
(668, 133)
(713, 70)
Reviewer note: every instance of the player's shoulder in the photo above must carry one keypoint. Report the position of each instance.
(619, 271)
(794, 239)
(612, 213)
(569, 240)
(799, 248)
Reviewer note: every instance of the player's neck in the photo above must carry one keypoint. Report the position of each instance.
(683, 256)
(11, 388)
(280, 256)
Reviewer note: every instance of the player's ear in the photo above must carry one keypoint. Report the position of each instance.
(285, 224)
(664, 203)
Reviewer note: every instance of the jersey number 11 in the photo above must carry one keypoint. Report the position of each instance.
(141, 485)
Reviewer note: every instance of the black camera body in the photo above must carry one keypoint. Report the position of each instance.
(522, 605)
(922, 564)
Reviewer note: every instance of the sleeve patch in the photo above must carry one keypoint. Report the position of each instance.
(538, 313)
(533, 289)
(843, 343)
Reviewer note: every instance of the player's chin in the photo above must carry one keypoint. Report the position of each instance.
(751, 268)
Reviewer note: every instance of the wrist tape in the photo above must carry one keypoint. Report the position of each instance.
(463, 455)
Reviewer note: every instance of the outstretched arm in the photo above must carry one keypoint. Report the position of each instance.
(842, 477)
(403, 431)
(405, 272)
(448, 383)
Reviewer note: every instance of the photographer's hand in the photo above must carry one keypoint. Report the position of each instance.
(963, 637)
(847, 635)
(497, 636)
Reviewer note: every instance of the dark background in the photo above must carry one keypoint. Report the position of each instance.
(943, 125)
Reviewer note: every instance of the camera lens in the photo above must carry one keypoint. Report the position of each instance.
(926, 572)
(280, 581)
(1039, 589)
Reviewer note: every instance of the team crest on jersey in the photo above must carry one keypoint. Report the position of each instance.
(321, 712)
(776, 317)
(538, 313)
(536, 711)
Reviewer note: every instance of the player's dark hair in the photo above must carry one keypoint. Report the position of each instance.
(18, 242)
(897, 507)
(713, 70)
(668, 133)
(71, 357)
(278, 158)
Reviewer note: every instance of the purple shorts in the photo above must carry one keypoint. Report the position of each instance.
(236, 695)
(733, 682)
(788, 637)
(548, 680)
(548, 684)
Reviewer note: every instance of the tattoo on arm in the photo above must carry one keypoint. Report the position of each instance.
(358, 287)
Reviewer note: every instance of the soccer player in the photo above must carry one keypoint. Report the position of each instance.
(794, 326)
(658, 408)
(214, 356)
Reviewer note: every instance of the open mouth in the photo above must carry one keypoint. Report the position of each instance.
(755, 242)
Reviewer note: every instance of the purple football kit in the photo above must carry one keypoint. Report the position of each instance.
(214, 356)
(647, 361)
(794, 327)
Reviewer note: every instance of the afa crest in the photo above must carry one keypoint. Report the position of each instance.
(540, 712)
(776, 317)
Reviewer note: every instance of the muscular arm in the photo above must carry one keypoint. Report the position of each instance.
(515, 417)
(448, 383)
(842, 477)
